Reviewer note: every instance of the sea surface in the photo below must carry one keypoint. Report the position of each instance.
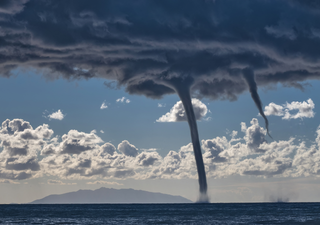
(216, 213)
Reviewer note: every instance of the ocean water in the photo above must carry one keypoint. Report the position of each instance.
(224, 213)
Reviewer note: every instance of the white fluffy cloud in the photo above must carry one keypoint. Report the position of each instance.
(99, 163)
(56, 115)
(250, 155)
(177, 112)
(20, 145)
(103, 105)
(274, 109)
(302, 110)
(255, 135)
(80, 155)
(106, 149)
(75, 142)
(128, 149)
(123, 100)
(255, 157)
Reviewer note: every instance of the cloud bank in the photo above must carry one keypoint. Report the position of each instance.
(29, 152)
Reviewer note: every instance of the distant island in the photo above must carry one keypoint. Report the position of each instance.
(110, 195)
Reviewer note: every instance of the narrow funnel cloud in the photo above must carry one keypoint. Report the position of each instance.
(182, 87)
(249, 77)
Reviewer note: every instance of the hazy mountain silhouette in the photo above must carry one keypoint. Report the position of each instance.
(110, 195)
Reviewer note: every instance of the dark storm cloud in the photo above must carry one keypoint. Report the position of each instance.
(11, 7)
(143, 43)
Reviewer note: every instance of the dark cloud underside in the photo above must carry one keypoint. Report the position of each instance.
(140, 44)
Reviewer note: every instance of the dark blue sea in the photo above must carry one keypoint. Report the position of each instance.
(224, 213)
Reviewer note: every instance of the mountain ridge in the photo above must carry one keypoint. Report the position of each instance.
(110, 195)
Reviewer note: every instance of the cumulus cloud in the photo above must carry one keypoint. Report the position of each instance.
(128, 149)
(213, 148)
(160, 105)
(147, 158)
(304, 110)
(56, 115)
(255, 157)
(20, 145)
(249, 155)
(274, 110)
(12, 7)
(123, 100)
(108, 148)
(79, 155)
(103, 105)
(103, 162)
(255, 135)
(177, 112)
(76, 142)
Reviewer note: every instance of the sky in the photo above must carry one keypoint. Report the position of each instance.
(94, 95)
